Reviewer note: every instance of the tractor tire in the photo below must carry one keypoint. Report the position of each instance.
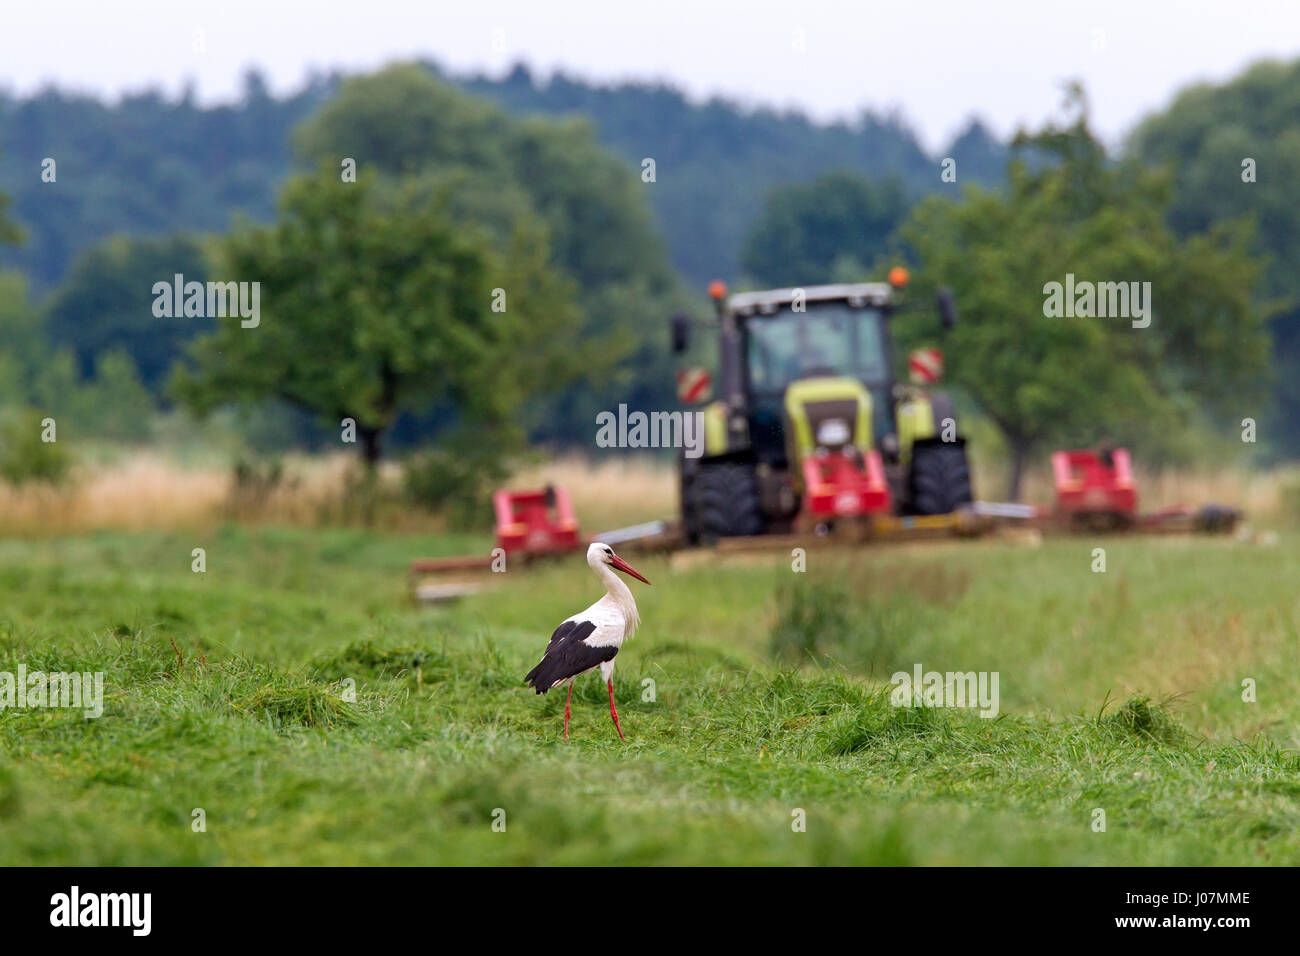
(940, 477)
(687, 472)
(726, 501)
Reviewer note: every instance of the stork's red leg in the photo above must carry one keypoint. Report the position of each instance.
(566, 710)
(613, 712)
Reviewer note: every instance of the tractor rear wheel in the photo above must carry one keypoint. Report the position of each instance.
(688, 470)
(725, 497)
(940, 477)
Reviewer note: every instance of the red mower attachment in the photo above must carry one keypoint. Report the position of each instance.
(529, 524)
(844, 484)
(1095, 487)
(535, 522)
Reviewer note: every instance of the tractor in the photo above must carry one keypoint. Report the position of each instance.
(809, 428)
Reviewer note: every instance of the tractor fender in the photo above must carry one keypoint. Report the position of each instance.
(715, 429)
(921, 415)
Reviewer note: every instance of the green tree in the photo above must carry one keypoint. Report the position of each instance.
(807, 233)
(370, 311)
(1233, 152)
(24, 454)
(23, 344)
(24, 351)
(117, 403)
(106, 303)
(429, 140)
(1076, 380)
(20, 325)
(10, 234)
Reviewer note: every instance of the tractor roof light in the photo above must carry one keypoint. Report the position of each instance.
(899, 277)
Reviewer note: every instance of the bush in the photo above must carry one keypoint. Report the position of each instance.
(25, 455)
(810, 618)
(252, 485)
(865, 633)
(116, 403)
(1289, 500)
(456, 481)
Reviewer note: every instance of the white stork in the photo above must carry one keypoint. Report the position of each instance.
(591, 638)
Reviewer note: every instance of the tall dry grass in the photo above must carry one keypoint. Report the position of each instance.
(611, 492)
(146, 492)
(149, 491)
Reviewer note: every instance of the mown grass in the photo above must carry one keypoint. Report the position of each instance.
(751, 692)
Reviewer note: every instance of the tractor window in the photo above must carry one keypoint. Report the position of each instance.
(831, 339)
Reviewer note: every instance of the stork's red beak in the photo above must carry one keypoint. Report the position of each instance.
(621, 565)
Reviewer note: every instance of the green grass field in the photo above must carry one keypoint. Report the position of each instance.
(1120, 691)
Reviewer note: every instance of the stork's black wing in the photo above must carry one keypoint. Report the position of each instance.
(567, 655)
(566, 629)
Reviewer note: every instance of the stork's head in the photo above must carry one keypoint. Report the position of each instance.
(599, 554)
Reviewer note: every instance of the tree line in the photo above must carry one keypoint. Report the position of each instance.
(487, 277)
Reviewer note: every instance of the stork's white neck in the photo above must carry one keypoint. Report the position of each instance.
(621, 595)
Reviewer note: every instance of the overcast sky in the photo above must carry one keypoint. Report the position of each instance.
(940, 61)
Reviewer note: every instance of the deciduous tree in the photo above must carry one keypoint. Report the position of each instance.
(370, 309)
(1076, 380)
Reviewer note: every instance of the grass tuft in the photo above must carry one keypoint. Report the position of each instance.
(10, 799)
(1145, 719)
(284, 701)
(365, 658)
(870, 633)
(881, 722)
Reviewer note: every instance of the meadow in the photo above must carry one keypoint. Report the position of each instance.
(750, 693)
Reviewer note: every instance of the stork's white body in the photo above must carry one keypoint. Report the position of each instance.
(615, 616)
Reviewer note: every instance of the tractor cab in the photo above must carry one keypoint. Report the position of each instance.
(792, 342)
(809, 425)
